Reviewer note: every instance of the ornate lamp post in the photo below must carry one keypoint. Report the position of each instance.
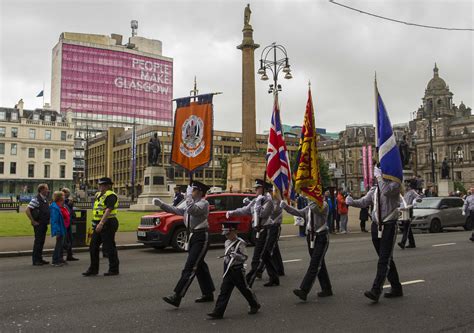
(270, 62)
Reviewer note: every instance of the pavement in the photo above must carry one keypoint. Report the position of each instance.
(438, 277)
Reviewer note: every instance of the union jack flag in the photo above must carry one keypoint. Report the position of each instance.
(278, 163)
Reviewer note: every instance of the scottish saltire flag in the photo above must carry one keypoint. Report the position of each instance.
(278, 164)
(306, 174)
(389, 155)
(40, 94)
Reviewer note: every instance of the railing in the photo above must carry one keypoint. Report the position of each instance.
(89, 204)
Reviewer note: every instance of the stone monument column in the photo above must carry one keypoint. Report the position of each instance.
(249, 131)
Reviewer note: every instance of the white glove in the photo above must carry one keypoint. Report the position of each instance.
(260, 198)
(227, 214)
(463, 213)
(157, 202)
(377, 172)
(189, 190)
(283, 204)
(349, 201)
(246, 201)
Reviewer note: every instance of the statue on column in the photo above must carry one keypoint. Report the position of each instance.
(247, 13)
(404, 152)
(154, 150)
(445, 169)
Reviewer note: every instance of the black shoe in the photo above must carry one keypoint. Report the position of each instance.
(89, 273)
(72, 259)
(325, 293)
(44, 262)
(205, 298)
(472, 239)
(402, 246)
(411, 246)
(272, 283)
(393, 293)
(174, 300)
(214, 315)
(258, 276)
(39, 263)
(254, 309)
(301, 294)
(281, 273)
(373, 295)
(111, 273)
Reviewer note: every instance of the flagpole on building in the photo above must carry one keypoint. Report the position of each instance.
(43, 96)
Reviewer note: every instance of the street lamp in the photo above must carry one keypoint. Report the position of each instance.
(429, 107)
(274, 66)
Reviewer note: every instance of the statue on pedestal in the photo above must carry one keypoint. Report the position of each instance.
(247, 13)
(404, 152)
(154, 150)
(445, 169)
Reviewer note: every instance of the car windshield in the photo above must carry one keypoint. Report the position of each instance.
(427, 203)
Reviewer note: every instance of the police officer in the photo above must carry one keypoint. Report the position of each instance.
(386, 197)
(260, 208)
(410, 196)
(317, 236)
(468, 210)
(195, 219)
(234, 272)
(105, 225)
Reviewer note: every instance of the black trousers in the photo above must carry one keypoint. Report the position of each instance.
(235, 277)
(40, 236)
(407, 234)
(317, 265)
(107, 238)
(68, 242)
(195, 266)
(384, 247)
(275, 252)
(362, 225)
(262, 256)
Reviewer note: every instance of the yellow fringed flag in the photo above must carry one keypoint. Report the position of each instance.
(307, 177)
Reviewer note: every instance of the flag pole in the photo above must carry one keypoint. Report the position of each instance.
(379, 215)
(43, 96)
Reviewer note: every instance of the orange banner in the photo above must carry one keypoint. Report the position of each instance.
(192, 135)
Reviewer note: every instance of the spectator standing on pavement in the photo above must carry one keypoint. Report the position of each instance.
(38, 213)
(60, 219)
(468, 210)
(69, 205)
(337, 215)
(331, 210)
(105, 225)
(178, 196)
(343, 210)
(363, 217)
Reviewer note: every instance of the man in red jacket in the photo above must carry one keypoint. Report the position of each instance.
(342, 210)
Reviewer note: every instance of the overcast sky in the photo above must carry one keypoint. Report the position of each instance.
(337, 49)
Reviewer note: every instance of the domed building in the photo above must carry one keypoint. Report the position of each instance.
(451, 136)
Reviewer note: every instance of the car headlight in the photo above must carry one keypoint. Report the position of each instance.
(156, 220)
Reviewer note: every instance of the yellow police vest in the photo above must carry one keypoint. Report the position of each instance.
(99, 206)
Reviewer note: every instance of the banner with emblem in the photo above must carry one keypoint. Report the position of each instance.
(193, 131)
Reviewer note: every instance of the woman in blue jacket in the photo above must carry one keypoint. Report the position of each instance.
(58, 229)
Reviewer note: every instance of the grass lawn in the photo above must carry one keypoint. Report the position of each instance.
(17, 224)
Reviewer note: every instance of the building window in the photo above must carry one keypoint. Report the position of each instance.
(208, 174)
(47, 135)
(36, 116)
(62, 171)
(47, 171)
(14, 132)
(2, 132)
(14, 116)
(63, 135)
(47, 117)
(13, 149)
(47, 153)
(227, 150)
(2, 148)
(32, 133)
(31, 152)
(31, 170)
(12, 168)
(2, 115)
(1, 167)
(62, 154)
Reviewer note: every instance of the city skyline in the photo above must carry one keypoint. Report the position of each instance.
(339, 52)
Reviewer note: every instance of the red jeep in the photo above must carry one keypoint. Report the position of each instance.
(162, 229)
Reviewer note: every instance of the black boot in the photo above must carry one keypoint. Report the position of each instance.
(373, 295)
(402, 246)
(394, 293)
(325, 293)
(301, 294)
(89, 273)
(205, 298)
(254, 309)
(411, 246)
(272, 283)
(214, 315)
(174, 300)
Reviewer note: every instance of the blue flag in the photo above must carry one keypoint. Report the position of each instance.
(389, 154)
(41, 93)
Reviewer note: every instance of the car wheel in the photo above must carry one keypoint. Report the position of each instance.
(468, 224)
(179, 239)
(435, 226)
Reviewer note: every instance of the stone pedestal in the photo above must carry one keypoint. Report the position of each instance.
(445, 186)
(155, 185)
(243, 170)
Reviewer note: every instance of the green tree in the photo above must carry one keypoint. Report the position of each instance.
(323, 168)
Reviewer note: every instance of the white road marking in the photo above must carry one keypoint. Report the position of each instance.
(292, 260)
(288, 236)
(407, 282)
(445, 244)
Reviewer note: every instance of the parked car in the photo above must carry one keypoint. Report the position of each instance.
(162, 229)
(436, 213)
